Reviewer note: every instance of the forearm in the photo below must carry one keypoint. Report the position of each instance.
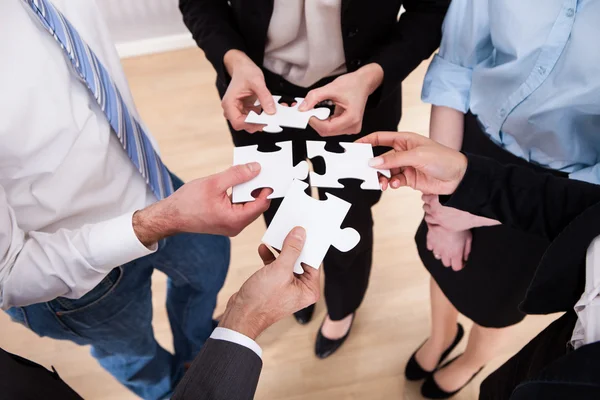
(446, 126)
(39, 266)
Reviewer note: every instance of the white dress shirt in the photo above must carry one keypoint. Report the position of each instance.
(67, 188)
(587, 328)
(304, 41)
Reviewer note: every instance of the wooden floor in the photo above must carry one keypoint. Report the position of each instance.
(176, 96)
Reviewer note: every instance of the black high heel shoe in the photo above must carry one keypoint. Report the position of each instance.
(414, 372)
(431, 389)
(325, 347)
(304, 316)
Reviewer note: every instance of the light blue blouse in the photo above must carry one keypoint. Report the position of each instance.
(530, 71)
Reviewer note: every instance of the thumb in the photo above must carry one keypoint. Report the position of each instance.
(292, 246)
(236, 175)
(314, 97)
(264, 97)
(396, 159)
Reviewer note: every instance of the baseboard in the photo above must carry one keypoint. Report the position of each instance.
(155, 45)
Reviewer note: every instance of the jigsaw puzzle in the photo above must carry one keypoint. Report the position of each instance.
(277, 171)
(289, 117)
(353, 163)
(320, 219)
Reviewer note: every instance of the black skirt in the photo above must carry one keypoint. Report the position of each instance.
(502, 262)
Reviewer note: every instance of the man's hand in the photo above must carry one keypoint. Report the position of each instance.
(349, 93)
(417, 162)
(452, 248)
(450, 218)
(247, 84)
(202, 206)
(274, 291)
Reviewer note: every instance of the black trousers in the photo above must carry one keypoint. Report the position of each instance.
(346, 274)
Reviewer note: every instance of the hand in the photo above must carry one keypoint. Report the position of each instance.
(247, 84)
(450, 218)
(202, 206)
(350, 93)
(417, 162)
(452, 248)
(274, 291)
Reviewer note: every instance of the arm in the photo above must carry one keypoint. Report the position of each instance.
(213, 27)
(415, 37)
(530, 201)
(228, 367)
(40, 266)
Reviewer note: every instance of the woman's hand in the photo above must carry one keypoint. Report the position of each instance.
(417, 162)
(349, 93)
(451, 248)
(451, 219)
(246, 86)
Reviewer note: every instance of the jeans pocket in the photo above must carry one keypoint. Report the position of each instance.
(63, 306)
(18, 315)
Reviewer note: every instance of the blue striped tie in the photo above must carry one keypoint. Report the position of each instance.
(96, 78)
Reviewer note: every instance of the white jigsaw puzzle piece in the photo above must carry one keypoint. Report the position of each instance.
(353, 163)
(320, 219)
(277, 171)
(284, 116)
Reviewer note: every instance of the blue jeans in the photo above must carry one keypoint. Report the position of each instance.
(115, 318)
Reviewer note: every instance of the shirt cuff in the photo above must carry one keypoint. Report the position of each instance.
(235, 337)
(447, 84)
(114, 242)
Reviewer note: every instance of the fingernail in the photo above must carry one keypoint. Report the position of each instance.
(302, 107)
(271, 108)
(299, 233)
(253, 166)
(381, 186)
(395, 184)
(374, 162)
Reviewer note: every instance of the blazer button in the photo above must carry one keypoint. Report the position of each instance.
(352, 33)
(356, 63)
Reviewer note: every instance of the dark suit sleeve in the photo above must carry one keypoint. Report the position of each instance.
(214, 29)
(535, 202)
(416, 36)
(222, 371)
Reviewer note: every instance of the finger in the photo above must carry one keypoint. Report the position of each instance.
(431, 220)
(457, 263)
(426, 208)
(292, 246)
(398, 181)
(265, 254)
(346, 124)
(236, 175)
(389, 139)
(397, 159)
(316, 96)
(383, 183)
(428, 198)
(467, 251)
(447, 261)
(264, 96)
(429, 243)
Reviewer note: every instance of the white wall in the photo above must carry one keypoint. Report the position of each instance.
(145, 26)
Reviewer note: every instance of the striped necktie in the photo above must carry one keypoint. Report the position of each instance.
(96, 78)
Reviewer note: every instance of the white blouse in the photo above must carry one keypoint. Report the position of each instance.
(304, 41)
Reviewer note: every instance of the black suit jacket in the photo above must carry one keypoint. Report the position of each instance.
(371, 29)
(222, 371)
(567, 212)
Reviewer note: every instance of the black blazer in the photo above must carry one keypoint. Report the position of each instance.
(222, 371)
(371, 28)
(568, 213)
(565, 211)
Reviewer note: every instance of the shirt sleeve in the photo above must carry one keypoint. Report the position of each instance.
(466, 42)
(236, 337)
(37, 266)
